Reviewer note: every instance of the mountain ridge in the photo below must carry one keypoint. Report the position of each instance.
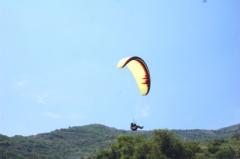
(88, 139)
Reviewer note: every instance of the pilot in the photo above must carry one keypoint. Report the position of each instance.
(134, 127)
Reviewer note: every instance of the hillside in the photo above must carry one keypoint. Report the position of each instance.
(200, 135)
(75, 142)
(71, 142)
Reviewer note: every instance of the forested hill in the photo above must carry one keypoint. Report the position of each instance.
(75, 142)
(200, 135)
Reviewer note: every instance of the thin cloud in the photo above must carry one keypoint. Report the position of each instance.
(145, 112)
(76, 116)
(42, 99)
(20, 84)
(1, 116)
(56, 116)
(52, 115)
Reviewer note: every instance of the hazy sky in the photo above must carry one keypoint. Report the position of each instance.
(58, 64)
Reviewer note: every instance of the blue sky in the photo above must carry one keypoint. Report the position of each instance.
(58, 64)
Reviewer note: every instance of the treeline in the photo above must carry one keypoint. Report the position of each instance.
(71, 143)
(165, 145)
(85, 141)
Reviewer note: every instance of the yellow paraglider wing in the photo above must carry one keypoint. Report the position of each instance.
(140, 72)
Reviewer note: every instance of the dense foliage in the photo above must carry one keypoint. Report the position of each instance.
(85, 141)
(165, 145)
(70, 143)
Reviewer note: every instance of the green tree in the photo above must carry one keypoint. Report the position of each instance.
(214, 146)
(169, 144)
(226, 153)
(192, 149)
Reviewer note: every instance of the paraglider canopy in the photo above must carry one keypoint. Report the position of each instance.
(140, 72)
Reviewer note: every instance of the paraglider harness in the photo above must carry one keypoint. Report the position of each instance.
(134, 127)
